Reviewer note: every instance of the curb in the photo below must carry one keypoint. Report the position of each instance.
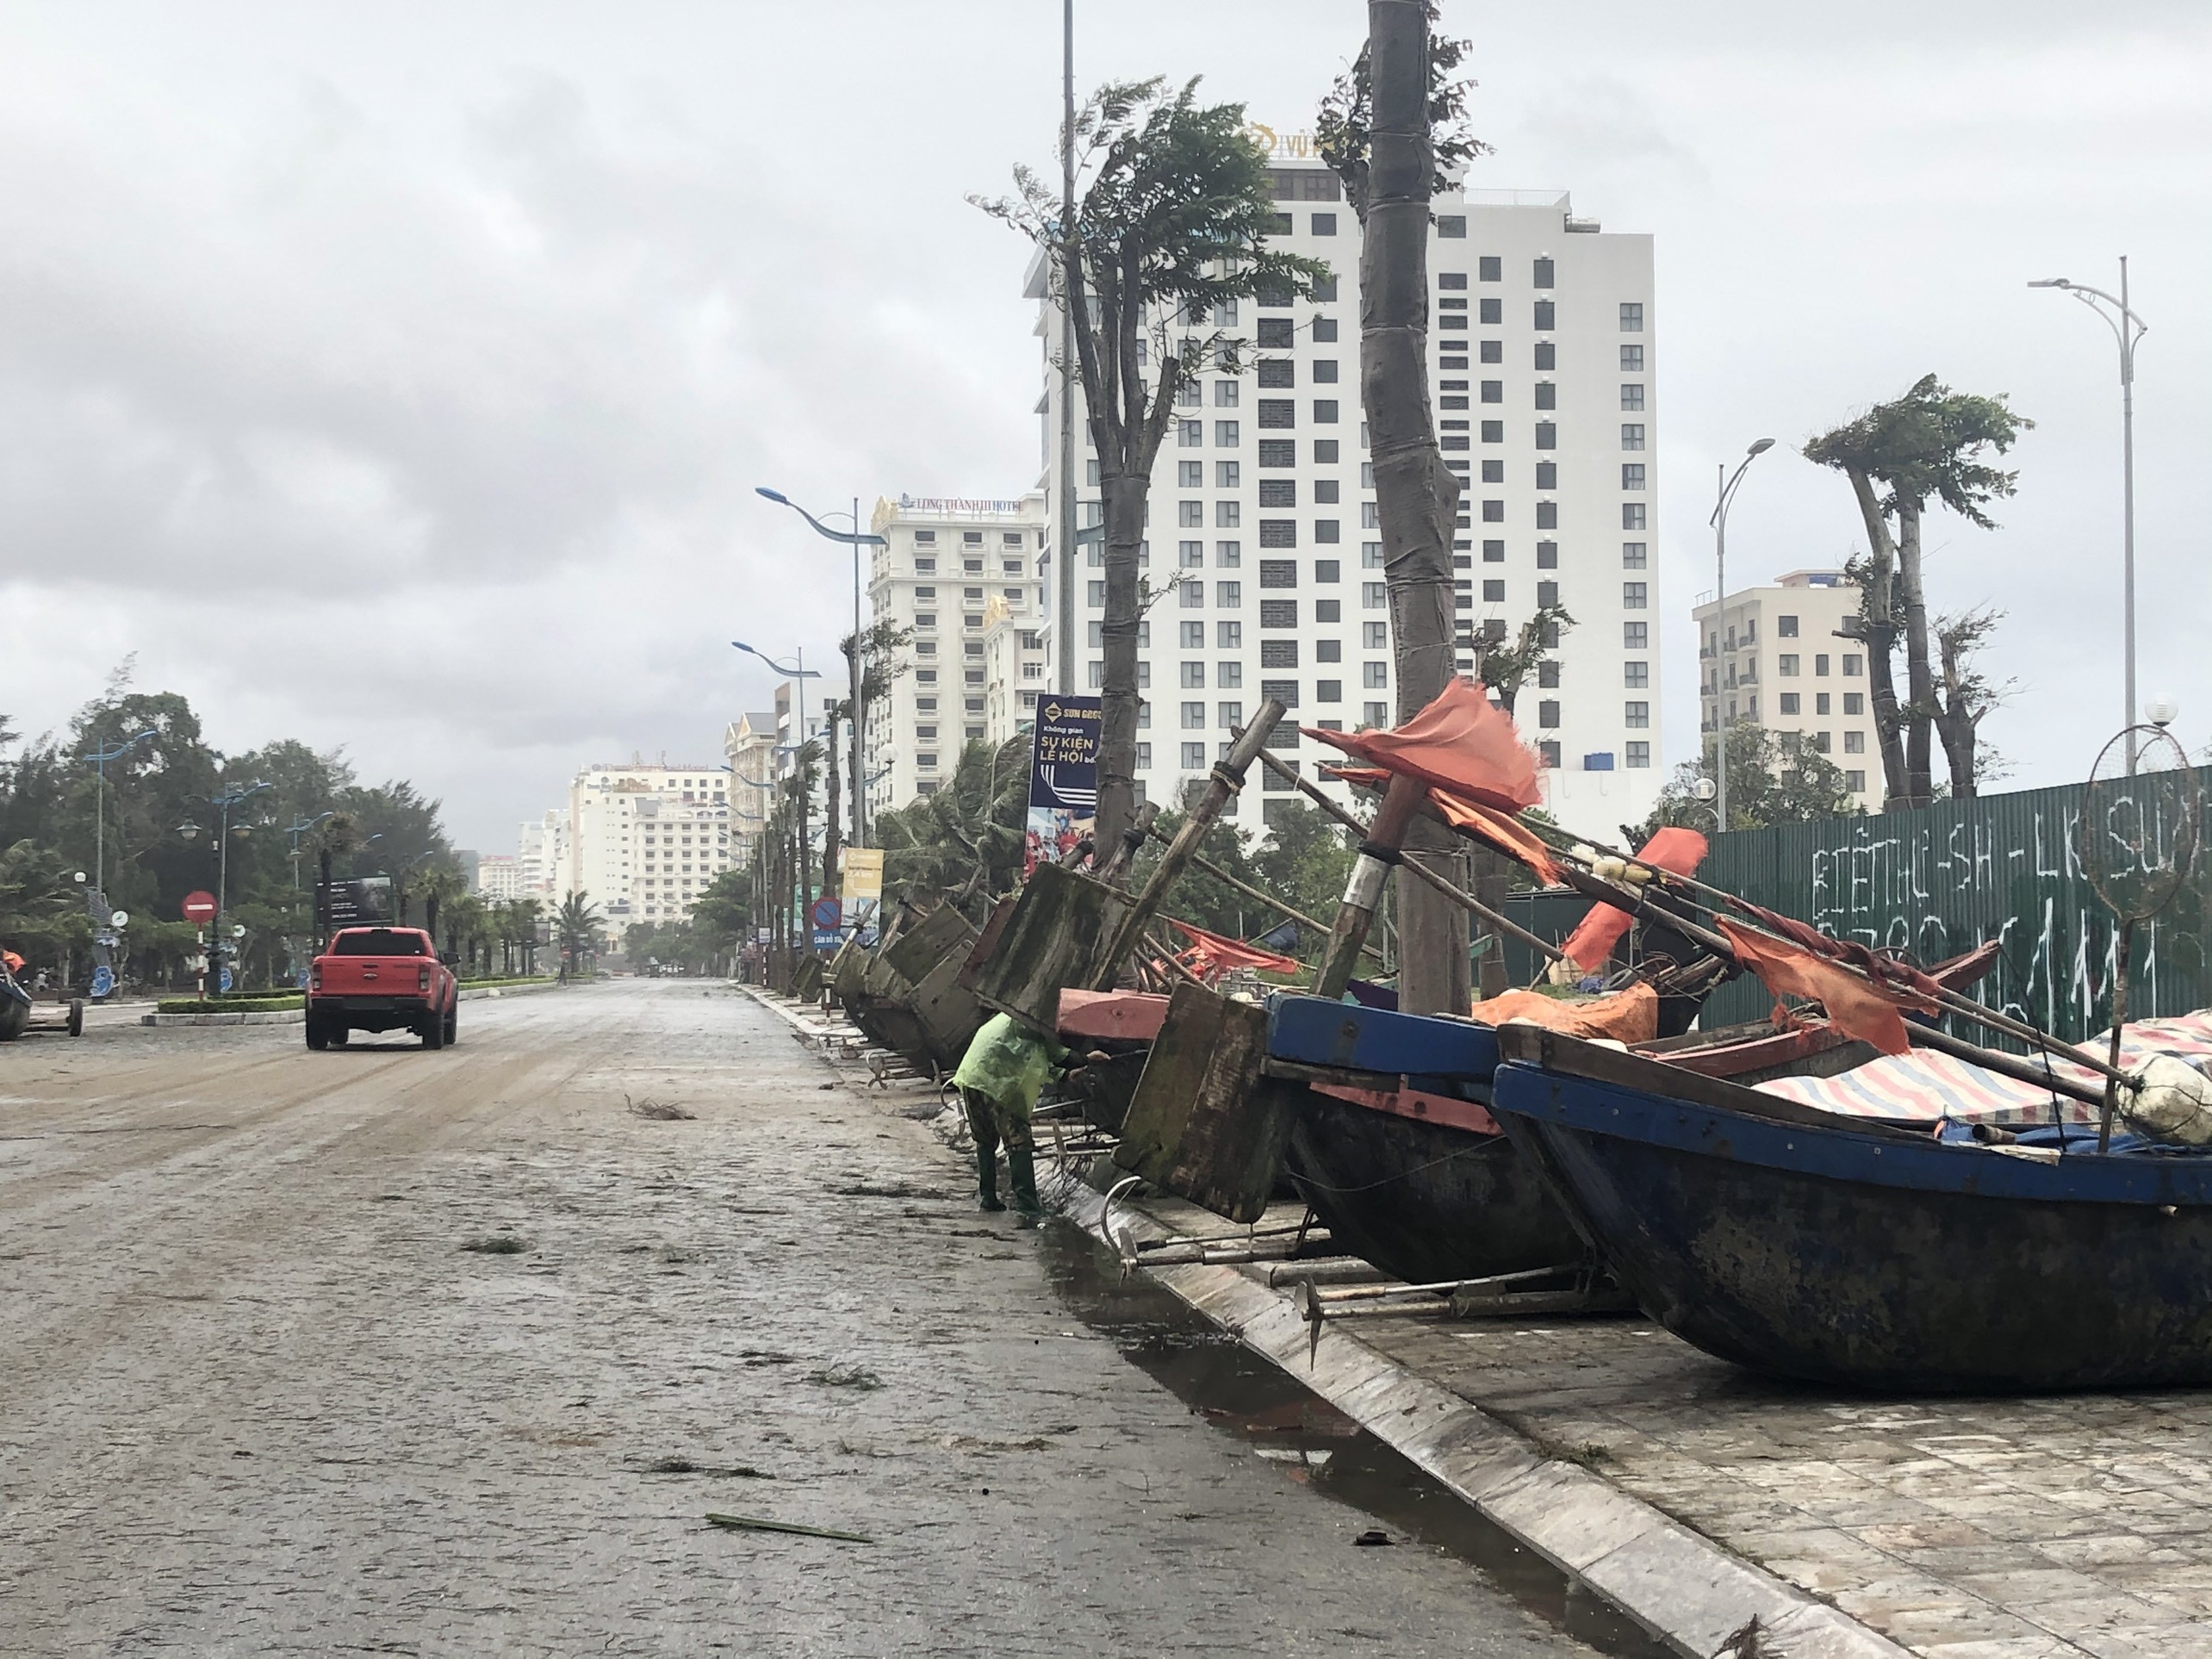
(1677, 1583)
(298, 1016)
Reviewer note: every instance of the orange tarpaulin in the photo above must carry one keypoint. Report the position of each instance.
(1211, 955)
(1854, 1007)
(1509, 836)
(1460, 743)
(1631, 1016)
(1675, 850)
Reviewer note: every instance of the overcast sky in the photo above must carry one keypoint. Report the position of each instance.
(398, 377)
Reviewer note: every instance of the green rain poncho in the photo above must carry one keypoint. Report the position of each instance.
(1009, 1064)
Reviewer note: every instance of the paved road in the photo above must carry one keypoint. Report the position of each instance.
(260, 1394)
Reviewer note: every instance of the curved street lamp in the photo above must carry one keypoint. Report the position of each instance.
(799, 672)
(2128, 328)
(1719, 523)
(100, 757)
(856, 538)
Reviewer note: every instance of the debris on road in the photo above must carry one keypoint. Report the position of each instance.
(841, 1376)
(661, 1111)
(754, 1524)
(496, 1243)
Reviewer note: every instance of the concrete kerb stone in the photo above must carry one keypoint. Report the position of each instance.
(298, 1016)
(1688, 1591)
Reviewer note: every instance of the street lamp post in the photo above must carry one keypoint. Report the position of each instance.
(857, 538)
(798, 673)
(2126, 329)
(100, 756)
(1719, 522)
(222, 802)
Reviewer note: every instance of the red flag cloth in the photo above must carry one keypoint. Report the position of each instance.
(1631, 1016)
(1868, 1012)
(1673, 849)
(1886, 971)
(1211, 955)
(1460, 743)
(1507, 833)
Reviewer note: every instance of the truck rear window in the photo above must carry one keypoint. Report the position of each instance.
(376, 942)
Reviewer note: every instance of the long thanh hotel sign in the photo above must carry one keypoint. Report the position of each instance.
(950, 504)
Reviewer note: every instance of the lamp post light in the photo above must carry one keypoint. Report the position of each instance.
(100, 757)
(2128, 329)
(1728, 483)
(857, 538)
(295, 830)
(799, 673)
(222, 801)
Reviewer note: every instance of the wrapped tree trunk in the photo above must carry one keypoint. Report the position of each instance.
(1919, 673)
(1880, 606)
(1415, 493)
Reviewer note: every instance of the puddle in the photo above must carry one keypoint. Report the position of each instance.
(1245, 1395)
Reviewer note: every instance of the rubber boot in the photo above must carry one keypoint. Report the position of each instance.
(1022, 1167)
(986, 1177)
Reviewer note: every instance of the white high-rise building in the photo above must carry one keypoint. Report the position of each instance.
(542, 855)
(1544, 375)
(953, 569)
(749, 743)
(646, 838)
(499, 876)
(1773, 656)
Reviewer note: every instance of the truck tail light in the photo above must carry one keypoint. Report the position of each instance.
(422, 979)
(314, 978)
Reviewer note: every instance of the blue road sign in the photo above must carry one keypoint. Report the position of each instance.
(104, 981)
(226, 980)
(827, 939)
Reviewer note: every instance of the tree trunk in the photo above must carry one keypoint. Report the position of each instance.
(830, 815)
(1415, 493)
(1881, 640)
(1955, 723)
(1920, 679)
(1125, 495)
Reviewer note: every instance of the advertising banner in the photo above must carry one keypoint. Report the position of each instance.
(863, 885)
(1063, 777)
(356, 902)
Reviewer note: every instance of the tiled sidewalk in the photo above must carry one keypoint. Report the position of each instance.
(1961, 1529)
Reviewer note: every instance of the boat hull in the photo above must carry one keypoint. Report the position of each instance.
(1879, 1262)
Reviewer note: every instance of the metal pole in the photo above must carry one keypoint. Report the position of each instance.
(859, 820)
(222, 892)
(2127, 506)
(1064, 548)
(100, 820)
(798, 769)
(1719, 630)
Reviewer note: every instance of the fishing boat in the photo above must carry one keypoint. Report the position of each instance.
(1868, 1253)
(1395, 1147)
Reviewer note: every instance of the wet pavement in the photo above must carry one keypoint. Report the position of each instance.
(386, 1351)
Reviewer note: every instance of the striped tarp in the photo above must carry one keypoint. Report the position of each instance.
(1924, 1086)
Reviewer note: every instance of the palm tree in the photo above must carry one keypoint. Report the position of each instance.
(341, 833)
(518, 932)
(577, 927)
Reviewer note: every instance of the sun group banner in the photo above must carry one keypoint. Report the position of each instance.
(863, 887)
(1063, 777)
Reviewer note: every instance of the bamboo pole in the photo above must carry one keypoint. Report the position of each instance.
(1254, 893)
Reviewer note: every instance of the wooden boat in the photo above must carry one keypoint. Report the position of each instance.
(1120, 1024)
(15, 1007)
(907, 996)
(1394, 1147)
(1864, 1254)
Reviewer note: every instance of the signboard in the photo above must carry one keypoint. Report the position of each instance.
(1063, 777)
(103, 980)
(863, 887)
(226, 979)
(827, 940)
(199, 908)
(354, 903)
(826, 914)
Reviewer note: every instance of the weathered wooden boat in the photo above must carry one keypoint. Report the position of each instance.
(1394, 1146)
(908, 996)
(1865, 1254)
(15, 1007)
(1122, 1025)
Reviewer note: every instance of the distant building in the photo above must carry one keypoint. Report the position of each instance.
(1015, 668)
(542, 855)
(499, 876)
(748, 744)
(951, 566)
(1772, 657)
(646, 838)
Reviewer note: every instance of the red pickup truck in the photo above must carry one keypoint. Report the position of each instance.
(382, 979)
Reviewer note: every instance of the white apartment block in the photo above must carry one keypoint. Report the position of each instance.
(953, 571)
(748, 744)
(647, 838)
(542, 855)
(1544, 377)
(499, 876)
(1773, 656)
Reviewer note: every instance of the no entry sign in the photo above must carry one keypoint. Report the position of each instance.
(199, 908)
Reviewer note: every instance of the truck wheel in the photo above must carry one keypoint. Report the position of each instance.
(337, 1034)
(76, 1017)
(318, 1034)
(453, 1025)
(433, 1032)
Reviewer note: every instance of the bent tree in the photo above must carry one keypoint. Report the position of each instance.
(1928, 445)
(1171, 224)
(1390, 127)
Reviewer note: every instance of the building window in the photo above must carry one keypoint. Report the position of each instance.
(1328, 650)
(1284, 692)
(1494, 431)
(1451, 224)
(1632, 394)
(1228, 595)
(1854, 703)
(1226, 434)
(1275, 333)
(1789, 702)
(1228, 515)
(1786, 627)
(1328, 691)
(1636, 675)
(1194, 715)
(1546, 316)
(1547, 515)
(1325, 532)
(1325, 371)
(1328, 610)
(1639, 754)
(1373, 595)
(1278, 573)
(1632, 515)
(1278, 613)
(1229, 676)
(1278, 491)
(1786, 665)
(1820, 663)
(1631, 359)
(1636, 636)
(1327, 569)
(1494, 552)
(1853, 665)
(1191, 515)
(1494, 592)
(1632, 595)
(1544, 273)
(1278, 532)
(1855, 782)
(1279, 452)
(1231, 715)
(1325, 333)
(1547, 753)
(1278, 653)
(1547, 435)
(1225, 395)
(1632, 435)
(1276, 413)
(1820, 701)
(1188, 434)
(1274, 373)
(1324, 411)
(1854, 742)
(1547, 555)
(1194, 757)
(1228, 556)
(1375, 675)
(1631, 475)
(1493, 351)
(1192, 555)
(1228, 475)
(1229, 636)
(1494, 391)
(1374, 714)
(1494, 512)
(1631, 317)
(1821, 742)
(1635, 715)
(1191, 475)
(1492, 312)
(1547, 475)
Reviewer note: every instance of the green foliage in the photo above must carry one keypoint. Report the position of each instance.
(1928, 443)
(1772, 778)
(1303, 859)
(964, 842)
(1343, 130)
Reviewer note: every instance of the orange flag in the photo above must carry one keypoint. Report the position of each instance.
(1508, 835)
(1675, 850)
(1854, 1007)
(1460, 743)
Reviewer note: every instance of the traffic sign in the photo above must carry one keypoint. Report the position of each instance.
(200, 908)
(119, 919)
(826, 913)
(828, 940)
(104, 981)
(226, 979)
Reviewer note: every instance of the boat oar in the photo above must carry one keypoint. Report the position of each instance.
(1227, 778)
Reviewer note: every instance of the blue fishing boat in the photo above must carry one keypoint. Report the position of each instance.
(1869, 1254)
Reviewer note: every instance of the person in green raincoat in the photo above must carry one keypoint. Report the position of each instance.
(1000, 1077)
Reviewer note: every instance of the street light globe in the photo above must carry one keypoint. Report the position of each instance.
(2162, 710)
(1704, 789)
(80, 878)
